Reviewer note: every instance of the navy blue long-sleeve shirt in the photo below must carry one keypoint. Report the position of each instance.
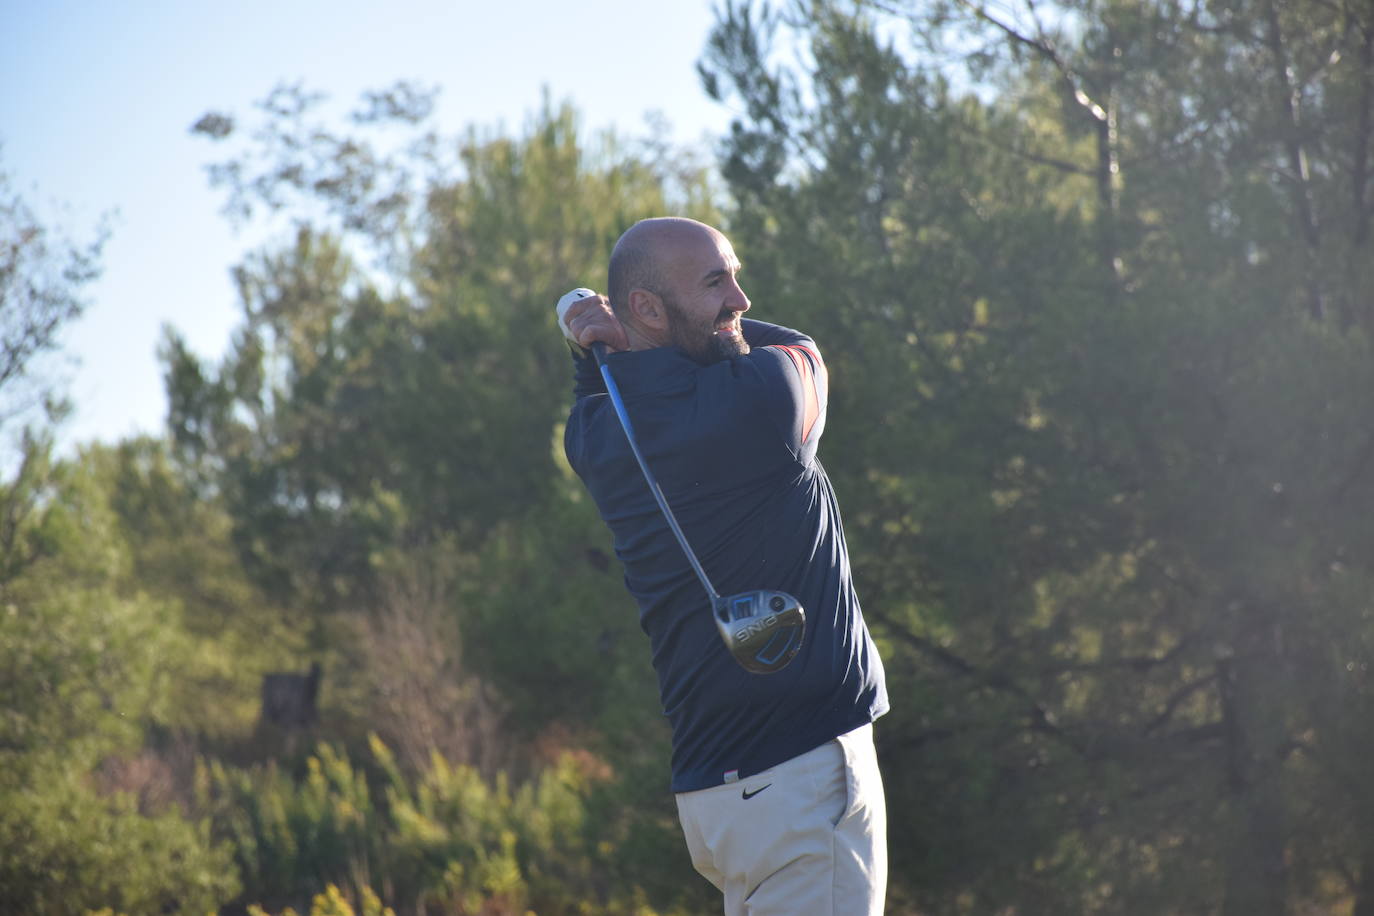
(733, 446)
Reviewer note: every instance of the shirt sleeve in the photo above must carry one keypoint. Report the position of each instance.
(796, 385)
(587, 378)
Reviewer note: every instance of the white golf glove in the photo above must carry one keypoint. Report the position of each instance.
(575, 295)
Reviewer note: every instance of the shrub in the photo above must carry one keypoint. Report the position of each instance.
(446, 841)
(64, 849)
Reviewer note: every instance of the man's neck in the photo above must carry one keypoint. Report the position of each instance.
(641, 340)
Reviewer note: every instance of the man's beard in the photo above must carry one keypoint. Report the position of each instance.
(701, 343)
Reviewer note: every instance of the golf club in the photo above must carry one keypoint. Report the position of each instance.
(763, 629)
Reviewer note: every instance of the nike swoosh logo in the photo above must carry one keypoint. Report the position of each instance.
(746, 794)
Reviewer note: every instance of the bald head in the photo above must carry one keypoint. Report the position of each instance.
(641, 258)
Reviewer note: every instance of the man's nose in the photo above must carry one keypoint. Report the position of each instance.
(738, 300)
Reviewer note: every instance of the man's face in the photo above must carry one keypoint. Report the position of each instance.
(705, 301)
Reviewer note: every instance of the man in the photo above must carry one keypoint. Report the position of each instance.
(776, 781)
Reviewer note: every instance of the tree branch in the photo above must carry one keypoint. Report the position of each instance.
(1128, 662)
(1048, 52)
(1040, 719)
(1182, 694)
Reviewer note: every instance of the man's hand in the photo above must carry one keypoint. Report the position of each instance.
(587, 319)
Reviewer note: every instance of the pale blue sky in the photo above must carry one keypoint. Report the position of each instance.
(97, 98)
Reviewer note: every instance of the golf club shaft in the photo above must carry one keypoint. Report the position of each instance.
(600, 350)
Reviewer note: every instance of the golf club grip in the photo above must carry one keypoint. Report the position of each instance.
(613, 390)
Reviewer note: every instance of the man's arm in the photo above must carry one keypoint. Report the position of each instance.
(760, 334)
(586, 318)
(587, 378)
(797, 384)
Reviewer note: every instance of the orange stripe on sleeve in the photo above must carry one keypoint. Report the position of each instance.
(811, 408)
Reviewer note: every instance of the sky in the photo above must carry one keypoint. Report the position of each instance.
(97, 100)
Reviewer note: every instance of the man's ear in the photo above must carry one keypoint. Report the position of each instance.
(647, 308)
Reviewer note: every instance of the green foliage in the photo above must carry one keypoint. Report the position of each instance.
(181, 554)
(41, 277)
(1096, 420)
(445, 841)
(84, 670)
(1091, 282)
(100, 560)
(387, 440)
(348, 419)
(63, 849)
(333, 902)
(565, 646)
(289, 840)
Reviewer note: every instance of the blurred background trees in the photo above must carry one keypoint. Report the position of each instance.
(1093, 281)
(1099, 279)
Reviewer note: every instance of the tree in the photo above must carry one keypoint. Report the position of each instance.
(1087, 423)
(41, 276)
(85, 660)
(348, 417)
(181, 554)
(86, 668)
(386, 435)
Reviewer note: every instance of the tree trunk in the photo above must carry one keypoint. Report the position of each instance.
(1359, 180)
(1290, 108)
(1364, 892)
(1359, 175)
(1256, 872)
(1108, 198)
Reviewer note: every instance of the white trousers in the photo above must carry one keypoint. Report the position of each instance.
(805, 838)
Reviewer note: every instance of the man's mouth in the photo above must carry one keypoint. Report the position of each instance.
(727, 338)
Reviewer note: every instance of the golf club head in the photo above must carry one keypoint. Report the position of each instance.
(763, 630)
